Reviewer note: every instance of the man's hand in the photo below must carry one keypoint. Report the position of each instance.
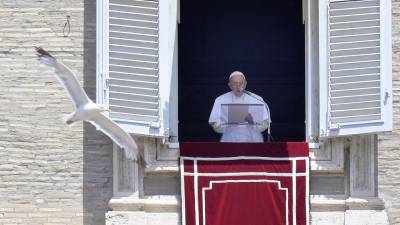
(249, 118)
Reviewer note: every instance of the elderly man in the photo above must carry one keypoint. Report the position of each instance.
(249, 132)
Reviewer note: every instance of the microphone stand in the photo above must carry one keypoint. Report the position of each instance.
(268, 111)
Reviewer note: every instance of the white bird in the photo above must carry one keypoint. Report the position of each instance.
(86, 109)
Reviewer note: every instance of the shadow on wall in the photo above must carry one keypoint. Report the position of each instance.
(97, 148)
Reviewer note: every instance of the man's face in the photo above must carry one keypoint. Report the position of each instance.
(237, 84)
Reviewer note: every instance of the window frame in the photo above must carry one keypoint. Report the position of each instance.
(168, 55)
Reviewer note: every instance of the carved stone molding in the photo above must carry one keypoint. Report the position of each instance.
(164, 204)
(329, 158)
(327, 203)
(362, 166)
(126, 175)
(160, 158)
(167, 151)
(142, 218)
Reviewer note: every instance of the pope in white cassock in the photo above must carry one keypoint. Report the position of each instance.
(241, 132)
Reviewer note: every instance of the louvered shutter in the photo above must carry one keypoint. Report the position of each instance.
(134, 62)
(355, 67)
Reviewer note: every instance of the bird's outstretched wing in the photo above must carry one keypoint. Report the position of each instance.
(117, 134)
(65, 76)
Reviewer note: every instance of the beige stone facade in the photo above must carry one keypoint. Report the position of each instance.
(389, 144)
(49, 173)
(54, 174)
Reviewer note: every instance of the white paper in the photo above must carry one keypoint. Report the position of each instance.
(236, 113)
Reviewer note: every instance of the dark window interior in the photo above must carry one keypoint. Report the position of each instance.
(264, 40)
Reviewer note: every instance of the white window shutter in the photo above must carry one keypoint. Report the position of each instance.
(134, 62)
(355, 67)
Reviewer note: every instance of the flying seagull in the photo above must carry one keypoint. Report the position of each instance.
(85, 109)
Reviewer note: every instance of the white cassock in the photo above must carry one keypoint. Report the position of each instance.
(238, 132)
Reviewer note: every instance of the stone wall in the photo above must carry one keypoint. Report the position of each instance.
(49, 173)
(389, 144)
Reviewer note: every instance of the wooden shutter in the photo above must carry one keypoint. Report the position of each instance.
(355, 67)
(132, 81)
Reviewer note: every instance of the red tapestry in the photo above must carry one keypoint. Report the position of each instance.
(245, 183)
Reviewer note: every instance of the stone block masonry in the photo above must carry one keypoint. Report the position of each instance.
(49, 173)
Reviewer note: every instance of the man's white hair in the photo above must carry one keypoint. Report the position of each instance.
(237, 73)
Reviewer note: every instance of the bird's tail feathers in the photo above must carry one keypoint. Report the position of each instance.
(134, 156)
(129, 154)
(142, 161)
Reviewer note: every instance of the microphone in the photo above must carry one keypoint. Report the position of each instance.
(266, 107)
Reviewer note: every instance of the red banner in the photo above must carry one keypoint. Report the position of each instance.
(245, 183)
